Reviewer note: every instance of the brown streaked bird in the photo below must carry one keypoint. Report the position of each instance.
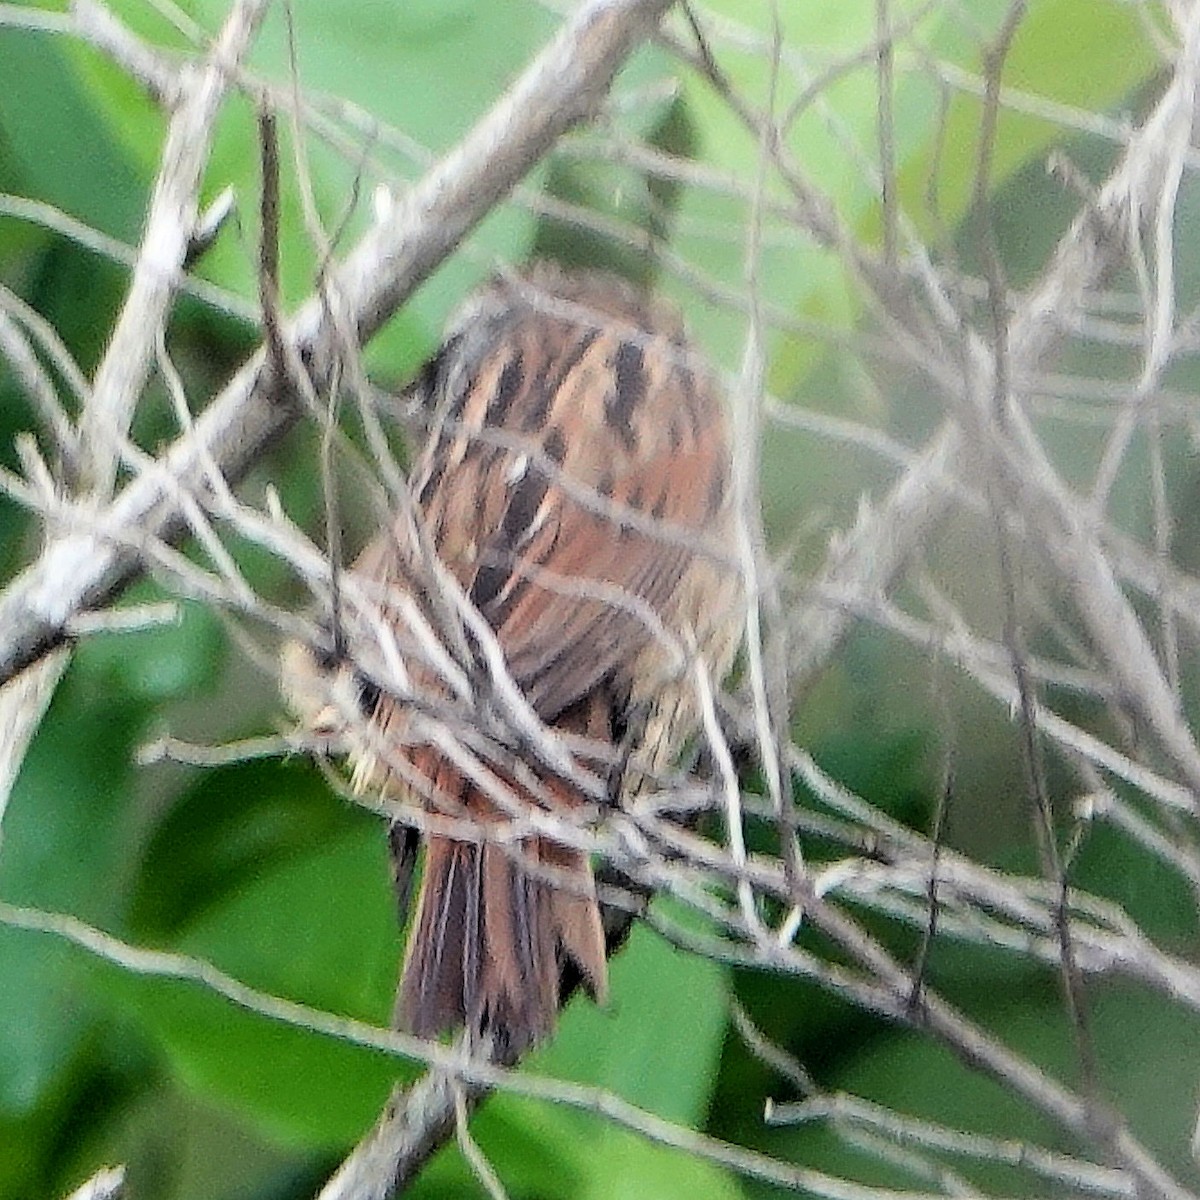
(575, 482)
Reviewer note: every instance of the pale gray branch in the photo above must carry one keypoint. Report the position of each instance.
(85, 568)
(126, 365)
(108, 1184)
(158, 75)
(870, 556)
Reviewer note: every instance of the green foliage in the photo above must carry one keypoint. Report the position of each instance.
(160, 663)
(65, 843)
(222, 834)
(257, 869)
(1078, 53)
(902, 1070)
(540, 1150)
(300, 1089)
(648, 1048)
(58, 143)
(396, 65)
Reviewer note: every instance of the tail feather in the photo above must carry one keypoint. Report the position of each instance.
(574, 916)
(491, 935)
(496, 926)
(439, 971)
(519, 978)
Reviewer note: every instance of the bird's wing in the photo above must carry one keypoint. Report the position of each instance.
(568, 492)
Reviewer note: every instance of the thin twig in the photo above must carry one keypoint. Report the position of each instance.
(125, 367)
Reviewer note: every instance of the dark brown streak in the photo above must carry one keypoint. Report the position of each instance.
(554, 446)
(509, 597)
(434, 380)
(539, 410)
(507, 389)
(687, 385)
(628, 393)
(489, 582)
(523, 508)
(675, 435)
(536, 416)
(672, 533)
(520, 514)
(472, 939)
(369, 695)
(432, 481)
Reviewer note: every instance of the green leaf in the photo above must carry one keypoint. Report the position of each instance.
(539, 1150)
(1077, 53)
(41, 1020)
(65, 847)
(656, 1045)
(231, 828)
(318, 928)
(647, 1046)
(57, 142)
(258, 871)
(287, 891)
(423, 71)
(1139, 1040)
(1111, 864)
(160, 662)
(299, 1087)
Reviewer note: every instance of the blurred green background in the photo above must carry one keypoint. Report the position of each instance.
(261, 870)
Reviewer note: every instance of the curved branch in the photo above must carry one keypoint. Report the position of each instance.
(87, 567)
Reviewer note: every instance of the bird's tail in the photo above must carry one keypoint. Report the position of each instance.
(495, 928)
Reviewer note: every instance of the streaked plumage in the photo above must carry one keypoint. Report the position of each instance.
(576, 484)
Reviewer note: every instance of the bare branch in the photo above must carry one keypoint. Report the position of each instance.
(983, 350)
(433, 1098)
(84, 569)
(169, 225)
(39, 387)
(869, 557)
(108, 1184)
(160, 77)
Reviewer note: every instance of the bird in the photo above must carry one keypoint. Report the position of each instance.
(575, 494)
